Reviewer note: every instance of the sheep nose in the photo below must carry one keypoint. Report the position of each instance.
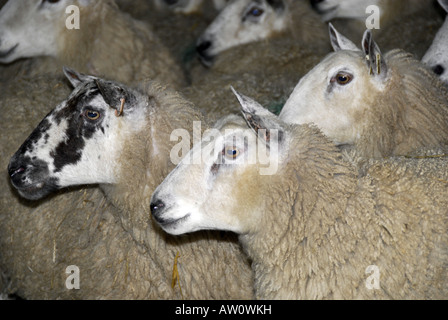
(203, 46)
(438, 69)
(314, 3)
(157, 207)
(15, 171)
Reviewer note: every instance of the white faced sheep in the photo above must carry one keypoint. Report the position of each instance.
(121, 254)
(436, 57)
(383, 105)
(108, 42)
(268, 68)
(246, 21)
(312, 227)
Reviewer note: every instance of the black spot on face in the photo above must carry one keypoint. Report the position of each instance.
(79, 129)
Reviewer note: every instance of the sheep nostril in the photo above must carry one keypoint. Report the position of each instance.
(203, 46)
(157, 207)
(14, 172)
(438, 69)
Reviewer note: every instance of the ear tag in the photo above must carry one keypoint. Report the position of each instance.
(378, 64)
(118, 113)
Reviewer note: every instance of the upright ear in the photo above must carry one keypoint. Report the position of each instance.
(444, 4)
(375, 61)
(76, 78)
(115, 95)
(339, 42)
(266, 125)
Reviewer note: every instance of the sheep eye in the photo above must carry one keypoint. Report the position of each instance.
(255, 11)
(92, 115)
(51, 1)
(231, 153)
(342, 78)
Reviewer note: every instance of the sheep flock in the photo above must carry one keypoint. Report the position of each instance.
(223, 149)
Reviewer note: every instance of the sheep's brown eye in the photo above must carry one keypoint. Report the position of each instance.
(51, 1)
(92, 115)
(342, 78)
(231, 153)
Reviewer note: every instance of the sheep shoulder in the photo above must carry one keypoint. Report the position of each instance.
(340, 223)
(412, 113)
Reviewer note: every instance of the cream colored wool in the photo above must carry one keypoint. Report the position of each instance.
(39, 240)
(331, 225)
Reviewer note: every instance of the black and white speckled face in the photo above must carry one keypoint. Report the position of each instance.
(77, 142)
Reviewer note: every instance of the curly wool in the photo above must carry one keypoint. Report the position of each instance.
(332, 224)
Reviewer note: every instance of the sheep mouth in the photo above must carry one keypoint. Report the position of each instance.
(4, 54)
(35, 191)
(170, 224)
(206, 59)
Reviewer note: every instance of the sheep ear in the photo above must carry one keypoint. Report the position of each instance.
(76, 78)
(444, 4)
(259, 119)
(339, 42)
(115, 95)
(375, 61)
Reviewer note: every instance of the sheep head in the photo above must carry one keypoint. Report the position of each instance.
(31, 28)
(232, 160)
(241, 22)
(79, 141)
(336, 93)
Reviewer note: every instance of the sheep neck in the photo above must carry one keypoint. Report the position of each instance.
(145, 161)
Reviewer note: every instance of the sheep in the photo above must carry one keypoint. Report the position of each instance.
(436, 57)
(410, 24)
(269, 68)
(246, 21)
(120, 254)
(108, 42)
(385, 105)
(313, 227)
